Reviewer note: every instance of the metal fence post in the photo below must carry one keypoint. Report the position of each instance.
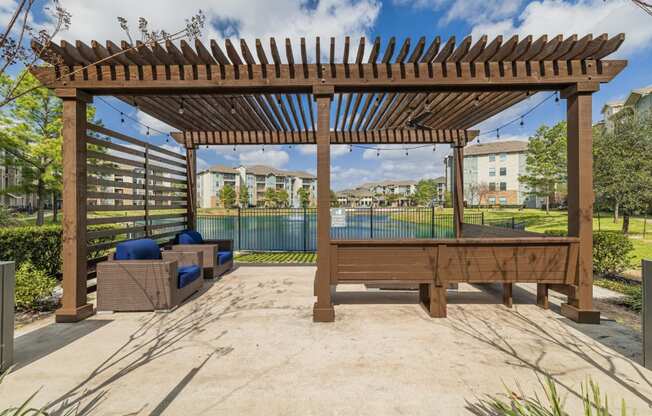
(305, 229)
(482, 217)
(432, 221)
(239, 230)
(647, 314)
(7, 287)
(371, 222)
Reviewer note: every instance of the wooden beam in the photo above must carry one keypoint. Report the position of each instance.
(191, 204)
(323, 310)
(580, 207)
(396, 136)
(370, 77)
(458, 190)
(74, 305)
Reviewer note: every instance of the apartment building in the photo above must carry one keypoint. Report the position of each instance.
(10, 179)
(258, 179)
(387, 193)
(128, 188)
(491, 172)
(638, 101)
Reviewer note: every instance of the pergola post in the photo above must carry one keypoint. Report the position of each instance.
(580, 201)
(458, 190)
(191, 175)
(74, 305)
(323, 310)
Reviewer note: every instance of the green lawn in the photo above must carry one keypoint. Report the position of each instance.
(280, 257)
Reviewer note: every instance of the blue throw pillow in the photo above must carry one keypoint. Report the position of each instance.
(144, 249)
(188, 274)
(224, 256)
(189, 237)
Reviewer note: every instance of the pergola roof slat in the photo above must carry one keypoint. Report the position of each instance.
(420, 85)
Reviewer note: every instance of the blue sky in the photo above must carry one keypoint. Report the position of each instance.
(371, 18)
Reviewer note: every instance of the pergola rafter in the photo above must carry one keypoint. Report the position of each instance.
(423, 92)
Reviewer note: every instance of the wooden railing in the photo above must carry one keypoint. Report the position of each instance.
(134, 190)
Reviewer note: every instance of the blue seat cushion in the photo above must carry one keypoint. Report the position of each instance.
(189, 237)
(188, 274)
(224, 256)
(143, 249)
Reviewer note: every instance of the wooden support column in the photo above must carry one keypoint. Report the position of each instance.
(323, 310)
(191, 175)
(74, 305)
(508, 299)
(580, 202)
(458, 190)
(542, 295)
(433, 299)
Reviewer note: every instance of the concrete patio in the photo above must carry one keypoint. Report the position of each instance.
(247, 345)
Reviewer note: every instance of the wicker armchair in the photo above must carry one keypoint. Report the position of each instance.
(217, 254)
(160, 281)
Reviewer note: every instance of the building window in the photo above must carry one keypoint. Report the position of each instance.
(503, 186)
(492, 200)
(503, 157)
(492, 186)
(503, 171)
(502, 200)
(492, 171)
(492, 157)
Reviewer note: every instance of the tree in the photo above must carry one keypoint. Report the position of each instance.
(270, 197)
(31, 138)
(426, 192)
(546, 162)
(622, 164)
(304, 197)
(227, 196)
(14, 48)
(472, 192)
(244, 195)
(282, 198)
(483, 191)
(334, 201)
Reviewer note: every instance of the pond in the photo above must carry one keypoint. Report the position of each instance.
(297, 230)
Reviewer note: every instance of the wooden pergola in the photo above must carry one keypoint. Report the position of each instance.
(428, 91)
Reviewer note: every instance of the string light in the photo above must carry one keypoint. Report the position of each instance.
(497, 133)
(434, 147)
(377, 152)
(232, 107)
(181, 109)
(122, 117)
(147, 131)
(476, 102)
(556, 96)
(350, 148)
(234, 148)
(522, 123)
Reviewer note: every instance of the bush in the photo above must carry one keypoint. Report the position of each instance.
(32, 286)
(611, 252)
(40, 246)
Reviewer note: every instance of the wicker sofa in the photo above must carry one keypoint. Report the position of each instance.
(141, 277)
(217, 254)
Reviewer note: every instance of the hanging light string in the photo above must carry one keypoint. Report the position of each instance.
(124, 116)
(519, 119)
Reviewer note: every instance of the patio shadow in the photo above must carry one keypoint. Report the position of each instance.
(42, 342)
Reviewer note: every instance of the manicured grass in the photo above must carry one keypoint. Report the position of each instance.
(280, 257)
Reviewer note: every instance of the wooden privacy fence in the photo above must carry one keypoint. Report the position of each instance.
(134, 190)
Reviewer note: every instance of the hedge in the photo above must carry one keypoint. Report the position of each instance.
(41, 246)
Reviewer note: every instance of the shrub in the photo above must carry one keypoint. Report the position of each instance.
(518, 404)
(41, 246)
(611, 252)
(32, 286)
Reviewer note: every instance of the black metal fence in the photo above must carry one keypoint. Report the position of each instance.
(295, 229)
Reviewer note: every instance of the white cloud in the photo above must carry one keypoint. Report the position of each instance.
(273, 156)
(582, 17)
(472, 11)
(228, 18)
(336, 150)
